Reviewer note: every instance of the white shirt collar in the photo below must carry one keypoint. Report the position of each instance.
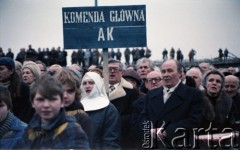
(172, 88)
(115, 85)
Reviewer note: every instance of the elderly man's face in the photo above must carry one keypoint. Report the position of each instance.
(204, 67)
(170, 74)
(231, 85)
(143, 70)
(195, 75)
(153, 80)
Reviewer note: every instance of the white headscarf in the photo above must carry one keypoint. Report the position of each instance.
(97, 98)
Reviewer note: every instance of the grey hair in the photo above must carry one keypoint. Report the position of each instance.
(214, 71)
(113, 61)
(143, 60)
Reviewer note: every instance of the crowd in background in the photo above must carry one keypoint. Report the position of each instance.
(46, 103)
(88, 57)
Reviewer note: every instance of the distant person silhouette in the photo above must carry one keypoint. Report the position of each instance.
(225, 54)
(191, 55)
(220, 54)
(172, 53)
(165, 53)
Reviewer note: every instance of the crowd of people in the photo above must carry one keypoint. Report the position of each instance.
(83, 57)
(59, 106)
(90, 57)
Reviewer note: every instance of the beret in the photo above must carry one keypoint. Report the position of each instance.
(9, 62)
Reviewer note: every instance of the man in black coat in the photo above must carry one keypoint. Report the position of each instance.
(122, 95)
(174, 110)
(231, 87)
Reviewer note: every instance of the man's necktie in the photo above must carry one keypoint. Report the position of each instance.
(167, 95)
(111, 88)
(168, 90)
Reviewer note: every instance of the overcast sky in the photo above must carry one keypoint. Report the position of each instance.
(203, 25)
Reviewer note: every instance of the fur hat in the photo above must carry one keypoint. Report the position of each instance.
(33, 67)
(6, 61)
(129, 73)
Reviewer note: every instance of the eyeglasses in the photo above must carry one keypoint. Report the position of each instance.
(43, 70)
(111, 69)
(153, 79)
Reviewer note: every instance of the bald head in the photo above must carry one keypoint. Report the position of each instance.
(171, 73)
(196, 74)
(153, 80)
(154, 74)
(231, 85)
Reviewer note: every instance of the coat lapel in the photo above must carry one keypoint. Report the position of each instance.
(119, 91)
(156, 101)
(174, 101)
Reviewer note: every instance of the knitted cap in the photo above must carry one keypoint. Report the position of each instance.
(6, 61)
(33, 67)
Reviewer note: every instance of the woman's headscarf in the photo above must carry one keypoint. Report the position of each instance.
(97, 98)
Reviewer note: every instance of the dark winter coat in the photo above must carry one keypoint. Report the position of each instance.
(217, 113)
(12, 129)
(106, 128)
(62, 133)
(76, 110)
(215, 120)
(122, 98)
(22, 107)
(235, 112)
(181, 111)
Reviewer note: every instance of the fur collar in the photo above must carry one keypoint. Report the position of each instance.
(220, 111)
(119, 91)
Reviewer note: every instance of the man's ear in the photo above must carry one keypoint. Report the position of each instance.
(32, 104)
(180, 74)
(12, 71)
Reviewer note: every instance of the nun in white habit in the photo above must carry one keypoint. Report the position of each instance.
(104, 115)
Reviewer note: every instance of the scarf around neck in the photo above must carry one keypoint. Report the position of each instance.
(6, 124)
